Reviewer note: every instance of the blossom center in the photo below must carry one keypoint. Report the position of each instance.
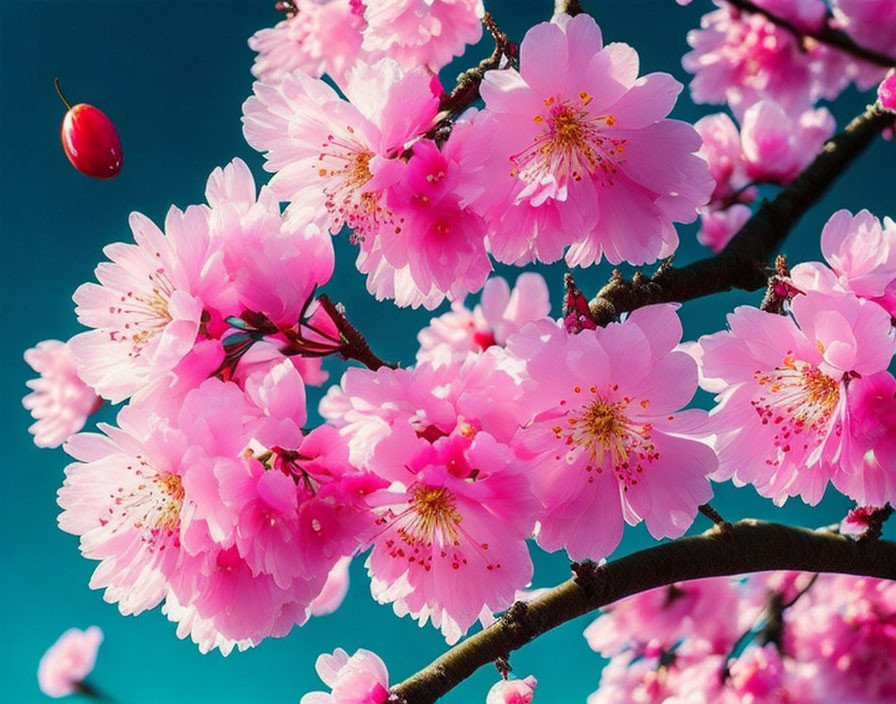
(153, 505)
(797, 398)
(344, 163)
(144, 313)
(571, 145)
(611, 439)
(434, 517)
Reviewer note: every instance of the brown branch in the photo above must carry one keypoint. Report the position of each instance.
(466, 92)
(714, 516)
(825, 35)
(747, 546)
(354, 344)
(743, 262)
(568, 7)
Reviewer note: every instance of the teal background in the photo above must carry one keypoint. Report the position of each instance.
(172, 76)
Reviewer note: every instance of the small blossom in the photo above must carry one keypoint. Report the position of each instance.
(886, 91)
(422, 32)
(723, 152)
(775, 147)
(68, 661)
(717, 227)
(512, 691)
(500, 313)
(59, 401)
(359, 679)
(323, 36)
(861, 254)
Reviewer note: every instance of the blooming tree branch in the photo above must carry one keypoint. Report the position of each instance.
(747, 546)
(825, 34)
(742, 264)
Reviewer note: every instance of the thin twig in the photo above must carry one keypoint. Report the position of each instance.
(466, 92)
(751, 546)
(354, 345)
(714, 516)
(825, 35)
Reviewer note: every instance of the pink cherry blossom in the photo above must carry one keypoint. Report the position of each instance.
(359, 679)
(323, 36)
(450, 545)
(717, 227)
(68, 661)
(708, 609)
(422, 32)
(59, 401)
(578, 151)
(740, 57)
(775, 147)
(871, 23)
(145, 312)
(272, 267)
(512, 691)
(847, 625)
(867, 471)
(783, 387)
(332, 158)
(722, 150)
(607, 433)
(160, 297)
(500, 313)
(441, 244)
(886, 91)
(805, 14)
(124, 497)
(861, 253)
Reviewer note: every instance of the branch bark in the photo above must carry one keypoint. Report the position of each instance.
(825, 35)
(743, 262)
(568, 7)
(746, 546)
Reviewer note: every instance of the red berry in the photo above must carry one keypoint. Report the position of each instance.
(90, 141)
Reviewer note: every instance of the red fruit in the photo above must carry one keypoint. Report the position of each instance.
(90, 140)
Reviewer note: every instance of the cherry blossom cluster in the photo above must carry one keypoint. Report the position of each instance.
(771, 77)
(773, 637)
(331, 36)
(211, 495)
(581, 159)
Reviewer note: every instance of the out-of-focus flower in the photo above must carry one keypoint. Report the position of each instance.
(59, 401)
(500, 313)
(359, 679)
(512, 691)
(68, 661)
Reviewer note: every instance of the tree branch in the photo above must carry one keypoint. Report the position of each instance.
(354, 346)
(466, 92)
(568, 7)
(746, 546)
(825, 35)
(743, 262)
